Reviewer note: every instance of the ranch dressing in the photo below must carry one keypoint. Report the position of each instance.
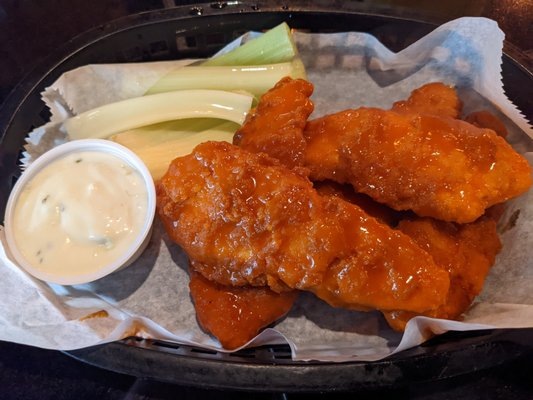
(80, 213)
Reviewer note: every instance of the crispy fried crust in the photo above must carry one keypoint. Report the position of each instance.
(256, 229)
(275, 126)
(436, 166)
(235, 315)
(466, 251)
(246, 220)
(433, 98)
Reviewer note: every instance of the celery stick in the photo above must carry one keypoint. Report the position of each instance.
(157, 145)
(255, 79)
(274, 46)
(274, 53)
(141, 111)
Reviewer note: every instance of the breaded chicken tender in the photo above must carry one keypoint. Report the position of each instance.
(466, 251)
(247, 220)
(485, 119)
(416, 157)
(235, 315)
(275, 126)
(436, 166)
(377, 210)
(433, 98)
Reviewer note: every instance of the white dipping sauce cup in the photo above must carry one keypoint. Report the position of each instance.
(138, 241)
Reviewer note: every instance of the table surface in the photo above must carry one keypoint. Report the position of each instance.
(33, 373)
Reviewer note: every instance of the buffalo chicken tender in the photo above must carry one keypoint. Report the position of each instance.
(436, 166)
(377, 210)
(275, 126)
(466, 251)
(235, 315)
(432, 98)
(247, 220)
(485, 119)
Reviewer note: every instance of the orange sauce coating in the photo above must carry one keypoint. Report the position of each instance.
(246, 220)
(235, 315)
(485, 119)
(432, 98)
(275, 126)
(346, 192)
(436, 166)
(466, 251)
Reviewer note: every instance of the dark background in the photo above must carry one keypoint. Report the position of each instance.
(31, 29)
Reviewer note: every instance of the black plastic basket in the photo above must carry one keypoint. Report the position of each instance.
(198, 31)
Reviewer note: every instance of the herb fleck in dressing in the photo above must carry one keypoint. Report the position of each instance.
(80, 213)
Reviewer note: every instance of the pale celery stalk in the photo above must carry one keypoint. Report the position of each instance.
(132, 113)
(255, 79)
(157, 145)
(274, 53)
(274, 46)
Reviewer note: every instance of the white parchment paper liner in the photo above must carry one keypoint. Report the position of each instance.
(151, 298)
